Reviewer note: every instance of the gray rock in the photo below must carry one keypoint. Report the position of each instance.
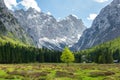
(10, 27)
(47, 31)
(105, 27)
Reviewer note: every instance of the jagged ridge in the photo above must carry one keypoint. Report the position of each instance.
(47, 31)
(105, 27)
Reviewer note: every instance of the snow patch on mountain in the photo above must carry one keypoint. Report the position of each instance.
(47, 31)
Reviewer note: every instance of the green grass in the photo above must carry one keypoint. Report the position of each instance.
(2, 73)
(10, 37)
(5, 39)
(49, 71)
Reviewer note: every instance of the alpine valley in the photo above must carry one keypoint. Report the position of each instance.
(43, 30)
(34, 45)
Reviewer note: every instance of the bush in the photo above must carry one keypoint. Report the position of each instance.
(101, 73)
(64, 74)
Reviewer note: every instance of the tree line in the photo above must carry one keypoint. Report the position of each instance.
(105, 53)
(16, 53)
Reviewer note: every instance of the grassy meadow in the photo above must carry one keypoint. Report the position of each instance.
(57, 71)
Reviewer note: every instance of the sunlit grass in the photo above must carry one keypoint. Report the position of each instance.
(59, 71)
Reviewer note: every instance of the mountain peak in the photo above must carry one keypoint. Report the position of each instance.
(104, 28)
(32, 10)
(47, 32)
(73, 16)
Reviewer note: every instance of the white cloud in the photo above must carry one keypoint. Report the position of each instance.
(101, 1)
(30, 3)
(10, 3)
(92, 16)
(26, 3)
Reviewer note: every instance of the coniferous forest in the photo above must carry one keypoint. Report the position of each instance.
(15, 53)
(20, 53)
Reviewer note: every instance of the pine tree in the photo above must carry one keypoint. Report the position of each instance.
(102, 59)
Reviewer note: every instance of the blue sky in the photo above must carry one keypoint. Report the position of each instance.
(84, 9)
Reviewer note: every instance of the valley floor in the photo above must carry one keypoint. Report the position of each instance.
(57, 71)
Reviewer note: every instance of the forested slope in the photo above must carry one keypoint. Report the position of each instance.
(104, 53)
(12, 51)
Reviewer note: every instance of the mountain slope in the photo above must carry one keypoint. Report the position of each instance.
(105, 27)
(10, 28)
(112, 45)
(47, 31)
(107, 52)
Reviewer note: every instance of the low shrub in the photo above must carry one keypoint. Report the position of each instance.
(64, 74)
(101, 73)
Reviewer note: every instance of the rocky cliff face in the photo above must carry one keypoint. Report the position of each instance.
(105, 27)
(47, 31)
(10, 27)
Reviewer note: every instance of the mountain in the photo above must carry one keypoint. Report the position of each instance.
(105, 27)
(10, 28)
(47, 32)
